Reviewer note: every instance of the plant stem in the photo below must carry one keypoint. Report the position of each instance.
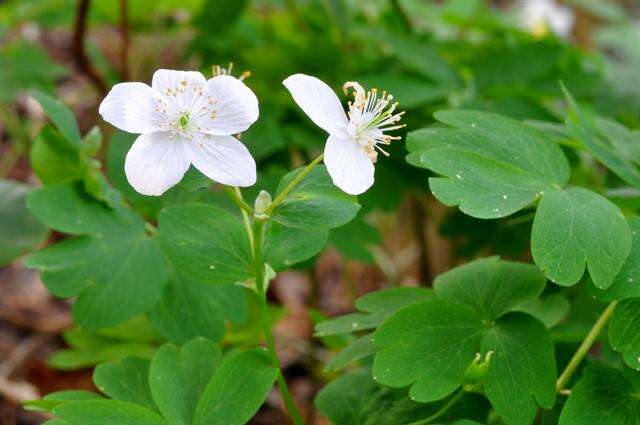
(262, 297)
(245, 216)
(293, 183)
(585, 346)
(234, 194)
(442, 411)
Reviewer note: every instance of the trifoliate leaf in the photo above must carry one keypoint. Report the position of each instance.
(126, 381)
(237, 390)
(490, 286)
(284, 246)
(624, 331)
(101, 412)
(178, 377)
(576, 228)
(627, 283)
(116, 269)
(20, 232)
(61, 116)
(492, 165)
(429, 346)
(206, 243)
(522, 368)
(604, 396)
(207, 307)
(314, 202)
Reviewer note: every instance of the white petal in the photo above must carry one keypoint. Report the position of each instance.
(319, 102)
(349, 167)
(235, 107)
(155, 163)
(223, 159)
(132, 107)
(183, 89)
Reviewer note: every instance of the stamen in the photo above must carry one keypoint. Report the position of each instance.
(371, 114)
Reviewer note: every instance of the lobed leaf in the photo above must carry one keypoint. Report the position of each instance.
(576, 228)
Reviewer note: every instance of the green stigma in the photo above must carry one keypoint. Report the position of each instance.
(184, 119)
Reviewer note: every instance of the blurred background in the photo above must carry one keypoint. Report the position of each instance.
(502, 56)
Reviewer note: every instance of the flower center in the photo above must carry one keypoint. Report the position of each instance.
(184, 120)
(370, 116)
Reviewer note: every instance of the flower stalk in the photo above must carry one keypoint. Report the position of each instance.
(261, 291)
(584, 348)
(297, 179)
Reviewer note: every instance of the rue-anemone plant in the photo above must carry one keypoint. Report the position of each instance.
(481, 345)
(183, 120)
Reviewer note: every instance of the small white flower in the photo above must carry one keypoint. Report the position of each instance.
(354, 141)
(184, 119)
(541, 16)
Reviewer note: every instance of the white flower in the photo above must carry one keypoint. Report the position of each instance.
(540, 16)
(354, 141)
(184, 119)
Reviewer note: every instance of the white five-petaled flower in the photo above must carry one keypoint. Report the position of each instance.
(354, 140)
(184, 119)
(541, 16)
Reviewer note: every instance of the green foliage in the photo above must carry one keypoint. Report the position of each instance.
(314, 203)
(185, 234)
(188, 385)
(604, 396)
(114, 267)
(494, 165)
(576, 228)
(624, 331)
(431, 345)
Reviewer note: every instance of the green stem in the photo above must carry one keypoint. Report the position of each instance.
(262, 297)
(442, 411)
(585, 346)
(245, 216)
(234, 194)
(293, 183)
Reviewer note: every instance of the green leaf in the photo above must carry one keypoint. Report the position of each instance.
(609, 142)
(61, 116)
(207, 307)
(91, 142)
(624, 331)
(358, 349)
(574, 228)
(429, 346)
(101, 412)
(604, 396)
(237, 390)
(54, 158)
(284, 246)
(375, 308)
(315, 202)
(410, 92)
(117, 272)
(626, 284)
(19, 231)
(490, 286)
(206, 243)
(52, 400)
(178, 377)
(356, 399)
(67, 208)
(492, 165)
(550, 309)
(522, 369)
(127, 381)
